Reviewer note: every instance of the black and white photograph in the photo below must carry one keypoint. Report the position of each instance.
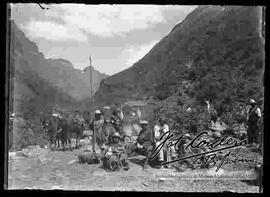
(135, 97)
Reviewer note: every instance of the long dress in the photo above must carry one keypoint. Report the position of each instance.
(170, 152)
(157, 134)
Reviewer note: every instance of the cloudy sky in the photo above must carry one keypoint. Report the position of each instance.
(116, 36)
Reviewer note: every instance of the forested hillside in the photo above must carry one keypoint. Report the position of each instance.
(215, 53)
(37, 84)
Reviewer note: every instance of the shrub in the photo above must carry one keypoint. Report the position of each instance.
(23, 133)
(181, 121)
(235, 116)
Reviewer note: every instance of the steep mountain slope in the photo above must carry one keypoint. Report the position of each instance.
(216, 53)
(96, 78)
(37, 84)
(58, 72)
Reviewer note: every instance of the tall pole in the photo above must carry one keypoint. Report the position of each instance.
(91, 89)
(91, 101)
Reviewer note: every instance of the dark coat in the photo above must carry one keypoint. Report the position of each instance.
(146, 137)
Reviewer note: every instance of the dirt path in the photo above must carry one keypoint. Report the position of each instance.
(57, 173)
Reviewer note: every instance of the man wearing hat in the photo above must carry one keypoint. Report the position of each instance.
(116, 138)
(254, 115)
(144, 136)
(145, 139)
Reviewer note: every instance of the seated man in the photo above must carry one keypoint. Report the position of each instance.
(145, 137)
(115, 139)
(145, 142)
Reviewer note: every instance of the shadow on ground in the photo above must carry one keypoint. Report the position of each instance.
(140, 161)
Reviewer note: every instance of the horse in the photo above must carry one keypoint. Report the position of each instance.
(75, 128)
(65, 136)
(53, 131)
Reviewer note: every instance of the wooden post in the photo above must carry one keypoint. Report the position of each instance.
(91, 102)
(91, 88)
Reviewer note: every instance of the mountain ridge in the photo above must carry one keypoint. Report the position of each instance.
(210, 43)
(38, 84)
(57, 71)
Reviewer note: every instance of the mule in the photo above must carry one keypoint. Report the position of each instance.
(53, 130)
(75, 129)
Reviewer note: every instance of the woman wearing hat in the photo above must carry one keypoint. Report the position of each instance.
(97, 127)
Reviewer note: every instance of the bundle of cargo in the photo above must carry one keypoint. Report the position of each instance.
(89, 158)
(114, 159)
(34, 151)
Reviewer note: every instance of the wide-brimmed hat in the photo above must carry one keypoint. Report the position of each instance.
(55, 115)
(187, 136)
(97, 112)
(116, 134)
(252, 101)
(143, 122)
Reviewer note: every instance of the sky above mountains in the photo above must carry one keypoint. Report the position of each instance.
(116, 36)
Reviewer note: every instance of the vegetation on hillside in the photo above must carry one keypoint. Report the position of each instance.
(225, 61)
(30, 95)
(216, 53)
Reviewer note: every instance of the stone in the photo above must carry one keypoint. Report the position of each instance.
(72, 161)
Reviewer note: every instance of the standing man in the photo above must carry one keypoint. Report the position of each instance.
(170, 150)
(157, 141)
(97, 126)
(254, 115)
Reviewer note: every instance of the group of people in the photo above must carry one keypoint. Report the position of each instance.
(151, 137)
(146, 140)
(100, 135)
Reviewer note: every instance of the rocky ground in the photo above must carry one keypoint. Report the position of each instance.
(58, 170)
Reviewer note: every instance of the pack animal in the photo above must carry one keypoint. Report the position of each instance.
(53, 130)
(74, 130)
